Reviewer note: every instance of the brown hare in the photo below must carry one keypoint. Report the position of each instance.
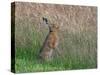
(51, 41)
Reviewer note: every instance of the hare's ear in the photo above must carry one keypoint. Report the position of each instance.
(45, 20)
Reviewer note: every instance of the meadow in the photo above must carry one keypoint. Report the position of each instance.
(78, 37)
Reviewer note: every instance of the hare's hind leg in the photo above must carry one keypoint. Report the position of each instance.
(47, 54)
(50, 54)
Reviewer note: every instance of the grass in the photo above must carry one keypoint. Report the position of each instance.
(79, 53)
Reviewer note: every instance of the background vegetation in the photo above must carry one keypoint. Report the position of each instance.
(78, 36)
